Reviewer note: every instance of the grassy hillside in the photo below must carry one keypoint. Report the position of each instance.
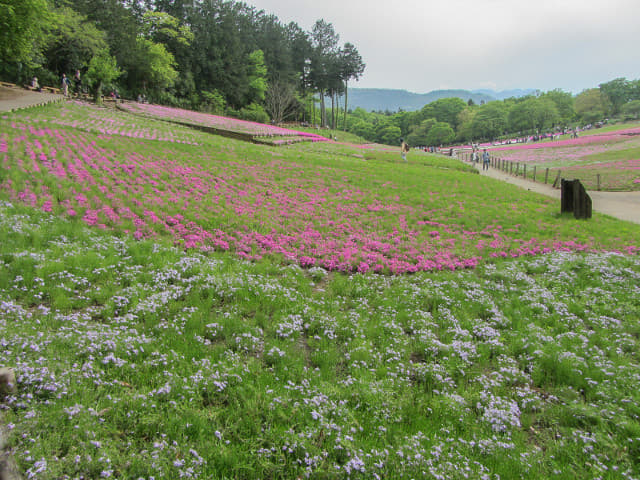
(170, 307)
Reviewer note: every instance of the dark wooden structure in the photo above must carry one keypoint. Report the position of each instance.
(574, 198)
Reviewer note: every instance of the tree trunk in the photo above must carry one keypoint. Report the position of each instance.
(346, 98)
(97, 96)
(323, 110)
(333, 109)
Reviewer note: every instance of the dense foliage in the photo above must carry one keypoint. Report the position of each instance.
(203, 55)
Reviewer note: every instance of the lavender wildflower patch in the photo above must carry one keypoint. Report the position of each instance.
(135, 359)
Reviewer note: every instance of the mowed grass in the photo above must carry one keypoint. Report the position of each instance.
(138, 358)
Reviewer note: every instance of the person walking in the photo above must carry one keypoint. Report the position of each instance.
(64, 85)
(485, 160)
(404, 148)
(77, 83)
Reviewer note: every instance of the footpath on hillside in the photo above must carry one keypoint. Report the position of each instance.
(622, 205)
(17, 98)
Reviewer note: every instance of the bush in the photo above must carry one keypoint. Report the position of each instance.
(254, 113)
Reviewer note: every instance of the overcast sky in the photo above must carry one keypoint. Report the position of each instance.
(425, 45)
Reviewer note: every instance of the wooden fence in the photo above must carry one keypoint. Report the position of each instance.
(517, 169)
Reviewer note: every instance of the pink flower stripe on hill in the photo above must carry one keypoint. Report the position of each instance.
(108, 122)
(314, 218)
(617, 136)
(215, 121)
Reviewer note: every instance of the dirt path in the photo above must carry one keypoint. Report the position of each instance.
(622, 205)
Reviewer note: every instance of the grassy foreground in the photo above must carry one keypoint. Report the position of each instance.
(139, 358)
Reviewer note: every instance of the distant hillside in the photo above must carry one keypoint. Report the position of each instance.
(382, 99)
(518, 92)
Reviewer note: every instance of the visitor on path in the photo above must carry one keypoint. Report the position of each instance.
(35, 85)
(77, 83)
(485, 160)
(404, 148)
(64, 85)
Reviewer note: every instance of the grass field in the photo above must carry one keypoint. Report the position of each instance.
(179, 305)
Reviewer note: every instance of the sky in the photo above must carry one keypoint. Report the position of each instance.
(425, 45)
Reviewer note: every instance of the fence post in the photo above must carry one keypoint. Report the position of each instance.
(557, 179)
(598, 182)
(534, 173)
(524, 173)
(546, 175)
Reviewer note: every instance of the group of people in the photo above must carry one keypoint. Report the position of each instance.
(486, 159)
(65, 83)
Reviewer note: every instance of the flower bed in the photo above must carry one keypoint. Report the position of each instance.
(216, 122)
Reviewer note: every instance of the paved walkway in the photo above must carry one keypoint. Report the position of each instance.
(17, 98)
(622, 205)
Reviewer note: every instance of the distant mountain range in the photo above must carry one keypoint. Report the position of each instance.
(382, 99)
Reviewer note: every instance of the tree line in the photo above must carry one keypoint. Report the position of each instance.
(451, 120)
(218, 56)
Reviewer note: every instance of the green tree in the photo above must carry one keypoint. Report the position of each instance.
(444, 110)
(213, 102)
(23, 25)
(490, 121)
(73, 42)
(522, 115)
(352, 67)
(388, 134)
(564, 103)
(546, 114)
(324, 62)
(591, 105)
(440, 134)
(121, 27)
(154, 69)
(419, 134)
(464, 132)
(362, 128)
(618, 92)
(166, 29)
(631, 110)
(257, 76)
(103, 71)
